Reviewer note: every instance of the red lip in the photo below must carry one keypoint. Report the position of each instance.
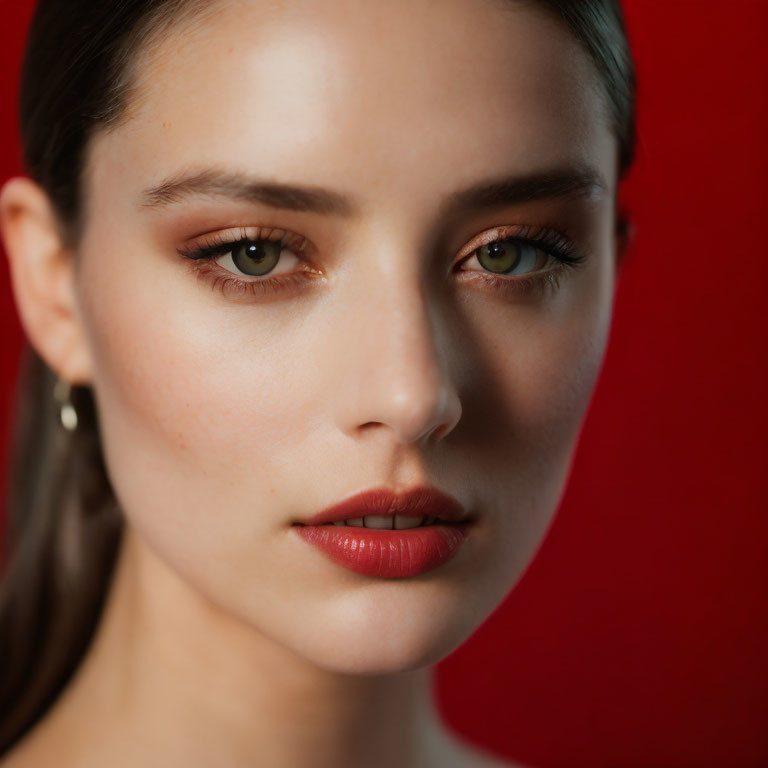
(421, 500)
(393, 553)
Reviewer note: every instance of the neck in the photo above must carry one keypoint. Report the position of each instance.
(172, 677)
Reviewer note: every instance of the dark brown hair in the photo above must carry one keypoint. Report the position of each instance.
(64, 524)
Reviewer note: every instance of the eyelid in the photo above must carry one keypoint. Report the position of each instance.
(201, 255)
(549, 240)
(199, 246)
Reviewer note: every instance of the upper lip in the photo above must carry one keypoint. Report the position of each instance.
(421, 500)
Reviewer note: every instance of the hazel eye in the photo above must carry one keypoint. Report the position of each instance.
(511, 257)
(255, 258)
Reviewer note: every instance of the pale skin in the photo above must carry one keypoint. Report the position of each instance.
(227, 640)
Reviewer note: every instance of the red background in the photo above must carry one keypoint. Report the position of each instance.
(639, 636)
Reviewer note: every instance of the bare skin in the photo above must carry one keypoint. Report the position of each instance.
(228, 415)
(126, 732)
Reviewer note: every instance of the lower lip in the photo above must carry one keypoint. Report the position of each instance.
(390, 554)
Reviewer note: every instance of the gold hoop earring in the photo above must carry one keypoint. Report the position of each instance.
(67, 413)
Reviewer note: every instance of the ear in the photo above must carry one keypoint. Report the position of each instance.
(43, 279)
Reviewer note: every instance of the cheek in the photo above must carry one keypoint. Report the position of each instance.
(553, 376)
(194, 410)
(542, 377)
(542, 370)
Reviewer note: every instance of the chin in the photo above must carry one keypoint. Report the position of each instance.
(379, 659)
(375, 641)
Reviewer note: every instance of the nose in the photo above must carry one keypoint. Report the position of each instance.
(395, 363)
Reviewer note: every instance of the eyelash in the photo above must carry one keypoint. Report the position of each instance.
(551, 242)
(555, 244)
(202, 256)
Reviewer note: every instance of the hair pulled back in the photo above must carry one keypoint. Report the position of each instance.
(64, 524)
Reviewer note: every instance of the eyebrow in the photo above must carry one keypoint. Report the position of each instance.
(236, 186)
(579, 181)
(567, 182)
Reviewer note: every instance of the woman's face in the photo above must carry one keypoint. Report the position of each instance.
(381, 350)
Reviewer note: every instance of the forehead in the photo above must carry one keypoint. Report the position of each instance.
(359, 94)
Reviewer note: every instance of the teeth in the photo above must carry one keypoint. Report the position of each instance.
(403, 521)
(378, 521)
(387, 522)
